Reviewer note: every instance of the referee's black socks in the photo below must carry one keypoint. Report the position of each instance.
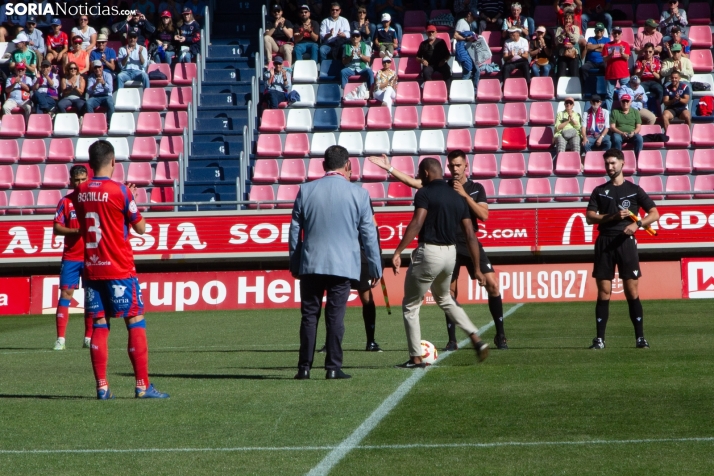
(602, 313)
(369, 315)
(451, 329)
(636, 316)
(495, 305)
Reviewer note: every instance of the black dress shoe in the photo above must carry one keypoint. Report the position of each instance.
(336, 374)
(302, 375)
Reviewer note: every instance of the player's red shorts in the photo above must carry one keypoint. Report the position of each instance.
(113, 298)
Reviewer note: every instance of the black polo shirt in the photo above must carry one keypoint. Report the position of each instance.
(445, 209)
(607, 198)
(478, 194)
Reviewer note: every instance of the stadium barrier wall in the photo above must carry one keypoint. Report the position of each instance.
(697, 278)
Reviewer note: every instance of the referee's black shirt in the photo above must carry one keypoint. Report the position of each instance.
(607, 198)
(476, 191)
(445, 209)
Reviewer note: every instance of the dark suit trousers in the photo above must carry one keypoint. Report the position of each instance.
(312, 289)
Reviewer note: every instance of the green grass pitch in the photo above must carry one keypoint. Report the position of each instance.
(546, 406)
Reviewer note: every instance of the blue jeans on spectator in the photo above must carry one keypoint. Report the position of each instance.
(274, 98)
(168, 57)
(605, 144)
(44, 103)
(636, 140)
(365, 74)
(77, 104)
(99, 101)
(602, 17)
(132, 74)
(185, 57)
(541, 70)
(610, 94)
(305, 47)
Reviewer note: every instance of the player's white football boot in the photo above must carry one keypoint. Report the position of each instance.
(87, 342)
(59, 345)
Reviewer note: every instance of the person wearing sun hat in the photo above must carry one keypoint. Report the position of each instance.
(639, 99)
(306, 36)
(356, 56)
(46, 89)
(434, 54)
(649, 34)
(161, 48)
(594, 64)
(677, 63)
(18, 91)
(596, 126)
(37, 40)
(616, 55)
(568, 125)
(516, 55)
(541, 52)
(77, 55)
(625, 125)
(24, 54)
(106, 55)
(385, 83)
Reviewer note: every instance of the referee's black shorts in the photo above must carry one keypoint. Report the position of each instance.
(365, 281)
(465, 260)
(620, 250)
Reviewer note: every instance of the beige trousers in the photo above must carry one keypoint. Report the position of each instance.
(647, 116)
(431, 268)
(272, 47)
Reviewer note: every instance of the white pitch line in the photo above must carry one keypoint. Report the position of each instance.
(242, 449)
(335, 456)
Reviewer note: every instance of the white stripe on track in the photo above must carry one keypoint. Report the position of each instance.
(352, 441)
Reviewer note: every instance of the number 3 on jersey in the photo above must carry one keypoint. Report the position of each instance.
(95, 229)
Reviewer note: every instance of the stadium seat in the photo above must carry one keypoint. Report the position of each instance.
(297, 144)
(305, 71)
(376, 191)
(319, 144)
(13, 125)
(433, 117)
(48, 199)
(410, 44)
(259, 193)
(356, 175)
(122, 124)
(487, 115)
(380, 118)
(66, 124)
(536, 188)
(408, 93)
(352, 141)
(180, 98)
(569, 87)
(594, 163)
(377, 142)
(432, 142)
(493, 40)
(434, 92)
(22, 199)
(61, 150)
(704, 183)
(542, 88)
(514, 114)
(677, 162)
(540, 164)
(510, 187)
(486, 140)
(541, 113)
(700, 36)
(170, 147)
(140, 173)
(184, 74)
(701, 61)
(329, 70)
(484, 166)
(349, 87)
(377, 65)
(328, 95)
(513, 165)
(699, 13)
(269, 145)
(650, 163)
(94, 124)
(567, 189)
(488, 90)
(678, 183)
(408, 69)
(55, 176)
(287, 192)
(307, 95)
(299, 120)
(679, 136)
(144, 148)
(266, 171)
(630, 166)
(27, 176)
(371, 172)
(9, 151)
(174, 123)
(167, 173)
(629, 15)
(120, 144)
(567, 163)
(314, 169)
(651, 129)
(589, 185)
(33, 151)
(703, 135)
(154, 99)
(292, 171)
(352, 119)
(545, 15)
(414, 21)
(161, 195)
(404, 142)
(645, 11)
(149, 123)
(399, 190)
(652, 185)
(703, 160)
(403, 163)
(458, 139)
(405, 117)
(164, 68)
(515, 89)
(514, 138)
(127, 99)
(7, 176)
(324, 120)
(460, 115)
(40, 125)
(118, 173)
(140, 196)
(462, 90)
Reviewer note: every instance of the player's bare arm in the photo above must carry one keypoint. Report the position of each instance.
(383, 163)
(594, 218)
(651, 217)
(472, 242)
(409, 234)
(60, 230)
(140, 226)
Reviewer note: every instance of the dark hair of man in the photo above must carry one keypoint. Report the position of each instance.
(101, 154)
(432, 165)
(617, 153)
(77, 170)
(335, 5)
(675, 72)
(336, 157)
(456, 154)
(648, 45)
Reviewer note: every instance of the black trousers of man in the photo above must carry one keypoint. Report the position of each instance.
(312, 288)
(521, 65)
(428, 71)
(589, 68)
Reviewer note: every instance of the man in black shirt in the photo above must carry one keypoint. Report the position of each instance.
(434, 54)
(278, 35)
(438, 213)
(610, 206)
(477, 202)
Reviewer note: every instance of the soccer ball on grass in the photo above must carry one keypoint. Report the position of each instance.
(429, 354)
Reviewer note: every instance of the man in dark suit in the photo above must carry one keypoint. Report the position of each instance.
(330, 217)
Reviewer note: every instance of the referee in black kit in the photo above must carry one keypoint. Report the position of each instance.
(610, 206)
(438, 212)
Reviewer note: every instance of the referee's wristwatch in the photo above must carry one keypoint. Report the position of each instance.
(639, 223)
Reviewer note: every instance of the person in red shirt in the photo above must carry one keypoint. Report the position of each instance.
(615, 54)
(57, 43)
(648, 69)
(66, 224)
(106, 211)
(569, 6)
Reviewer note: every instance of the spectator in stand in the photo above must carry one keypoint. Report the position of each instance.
(133, 60)
(306, 35)
(571, 30)
(278, 83)
(434, 54)
(490, 15)
(162, 40)
(672, 17)
(593, 58)
(648, 68)
(355, 59)
(569, 6)
(596, 125)
(677, 63)
(334, 32)
(278, 35)
(465, 37)
(10, 23)
(639, 99)
(385, 38)
(46, 88)
(676, 99)
(106, 55)
(676, 38)
(615, 54)
(57, 43)
(541, 52)
(516, 55)
(525, 24)
(596, 10)
(99, 90)
(568, 125)
(86, 32)
(188, 38)
(17, 89)
(385, 83)
(24, 55)
(78, 56)
(136, 23)
(362, 24)
(568, 58)
(173, 7)
(648, 35)
(625, 125)
(72, 89)
(37, 41)
(198, 9)
(147, 8)
(462, 7)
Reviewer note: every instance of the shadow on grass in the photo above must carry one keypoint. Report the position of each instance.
(215, 376)
(48, 397)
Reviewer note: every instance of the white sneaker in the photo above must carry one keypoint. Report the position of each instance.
(59, 345)
(87, 342)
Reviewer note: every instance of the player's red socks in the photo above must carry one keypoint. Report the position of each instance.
(88, 324)
(100, 353)
(62, 316)
(139, 352)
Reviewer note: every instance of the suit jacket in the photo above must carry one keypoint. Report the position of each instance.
(329, 218)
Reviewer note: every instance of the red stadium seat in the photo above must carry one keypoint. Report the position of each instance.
(410, 44)
(434, 92)
(443, 32)
(678, 183)
(55, 176)
(376, 191)
(49, 200)
(287, 192)
(399, 190)
(380, 118)
(459, 139)
(167, 173)
(515, 114)
(650, 163)
(487, 115)
(594, 163)
(437, 13)
(408, 70)
(678, 136)
(9, 151)
(170, 147)
(700, 36)
(174, 123)
(489, 90)
(567, 163)
(140, 173)
(486, 140)
(628, 36)
(542, 88)
(408, 93)
(7, 177)
(33, 151)
(144, 148)
(703, 160)
(645, 11)
(22, 198)
(352, 119)
(373, 173)
(703, 135)
(269, 145)
(292, 171)
(180, 98)
(164, 68)
(260, 193)
(702, 61)
(699, 13)
(162, 195)
(154, 99)
(406, 117)
(272, 120)
(140, 196)
(567, 189)
(510, 187)
(488, 188)
(541, 114)
(545, 15)
(494, 40)
(677, 162)
(513, 165)
(27, 176)
(40, 125)
(433, 117)
(540, 138)
(356, 175)
(704, 183)
(589, 185)
(540, 164)
(184, 74)
(514, 138)
(515, 89)
(404, 163)
(265, 171)
(94, 124)
(484, 166)
(13, 125)
(314, 169)
(61, 150)
(296, 144)
(630, 162)
(149, 123)
(414, 21)
(629, 15)
(349, 87)
(536, 188)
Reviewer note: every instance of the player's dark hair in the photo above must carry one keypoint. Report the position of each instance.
(101, 154)
(617, 153)
(336, 157)
(77, 170)
(455, 154)
(430, 164)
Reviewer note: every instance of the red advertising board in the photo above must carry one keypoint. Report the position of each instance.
(698, 278)
(14, 296)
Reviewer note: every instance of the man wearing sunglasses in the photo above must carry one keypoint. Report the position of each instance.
(334, 32)
(596, 125)
(434, 54)
(99, 88)
(625, 125)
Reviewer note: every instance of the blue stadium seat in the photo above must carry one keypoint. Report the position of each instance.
(325, 119)
(329, 95)
(329, 70)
